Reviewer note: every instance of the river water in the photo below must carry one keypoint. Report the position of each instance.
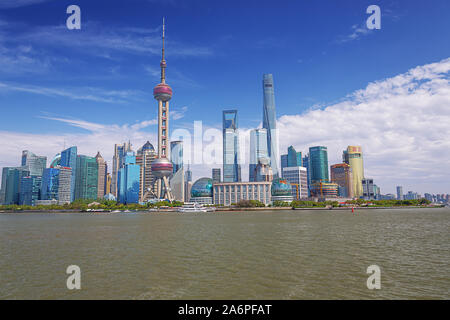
(234, 255)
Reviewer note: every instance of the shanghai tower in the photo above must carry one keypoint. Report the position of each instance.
(270, 122)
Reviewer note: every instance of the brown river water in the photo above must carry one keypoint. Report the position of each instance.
(287, 254)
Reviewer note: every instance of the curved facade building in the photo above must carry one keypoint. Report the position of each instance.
(202, 191)
(281, 190)
(324, 190)
(354, 158)
(270, 122)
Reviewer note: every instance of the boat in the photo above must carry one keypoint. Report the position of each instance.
(195, 207)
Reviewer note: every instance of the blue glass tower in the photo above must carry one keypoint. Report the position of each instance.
(69, 160)
(270, 122)
(258, 150)
(231, 165)
(294, 158)
(318, 164)
(128, 180)
(176, 154)
(50, 184)
(30, 188)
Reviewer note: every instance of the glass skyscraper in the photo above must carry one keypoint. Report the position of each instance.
(86, 181)
(258, 150)
(270, 122)
(11, 178)
(30, 190)
(318, 164)
(128, 179)
(176, 155)
(231, 165)
(35, 164)
(69, 160)
(294, 158)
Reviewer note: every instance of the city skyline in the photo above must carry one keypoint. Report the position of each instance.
(371, 112)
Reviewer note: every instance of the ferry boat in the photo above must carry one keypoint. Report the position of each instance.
(195, 207)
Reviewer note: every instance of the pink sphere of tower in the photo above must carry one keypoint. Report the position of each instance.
(162, 167)
(162, 92)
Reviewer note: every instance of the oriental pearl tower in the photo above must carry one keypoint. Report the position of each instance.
(162, 168)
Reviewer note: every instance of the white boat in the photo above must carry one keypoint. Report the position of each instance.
(195, 207)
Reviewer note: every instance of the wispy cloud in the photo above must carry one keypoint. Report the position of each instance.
(357, 32)
(86, 93)
(7, 4)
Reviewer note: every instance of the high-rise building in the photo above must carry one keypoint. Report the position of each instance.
(176, 154)
(270, 122)
(187, 184)
(368, 189)
(162, 167)
(119, 153)
(341, 174)
(258, 150)
(129, 180)
(318, 164)
(35, 164)
(305, 162)
(108, 184)
(294, 158)
(56, 184)
(231, 161)
(298, 178)
(216, 178)
(284, 162)
(399, 193)
(11, 178)
(263, 171)
(69, 160)
(86, 181)
(353, 157)
(30, 190)
(177, 180)
(102, 170)
(144, 158)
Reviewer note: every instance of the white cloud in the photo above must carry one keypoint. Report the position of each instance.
(402, 123)
(357, 32)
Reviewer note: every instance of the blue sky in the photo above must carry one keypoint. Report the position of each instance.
(319, 52)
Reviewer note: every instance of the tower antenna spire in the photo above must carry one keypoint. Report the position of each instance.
(163, 59)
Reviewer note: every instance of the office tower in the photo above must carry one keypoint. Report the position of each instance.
(69, 160)
(119, 153)
(144, 158)
(86, 181)
(177, 180)
(176, 155)
(298, 178)
(188, 174)
(341, 174)
(368, 190)
(216, 176)
(353, 157)
(377, 192)
(30, 190)
(11, 178)
(258, 150)
(102, 170)
(129, 179)
(162, 167)
(318, 164)
(305, 162)
(399, 193)
(294, 158)
(56, 161)
(56, 184)
(108, 184)
(270, 122)
(231, 161)
(284, 162)
(187, 184)
(35, 164)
